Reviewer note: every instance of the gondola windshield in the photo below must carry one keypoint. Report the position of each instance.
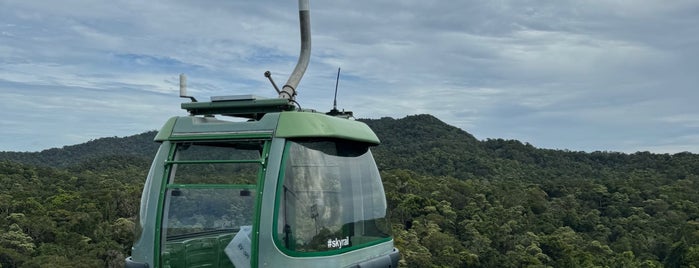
(330, 199)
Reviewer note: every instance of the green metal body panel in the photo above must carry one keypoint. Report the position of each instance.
(283, 125)
(166, 130)
(305, 124)
(207, 128)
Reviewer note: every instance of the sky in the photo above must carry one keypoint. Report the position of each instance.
(583, 75)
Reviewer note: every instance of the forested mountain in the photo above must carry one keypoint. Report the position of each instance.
(427, 145)
(454, 201)
(140, 145)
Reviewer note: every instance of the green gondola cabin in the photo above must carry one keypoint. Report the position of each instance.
(245, 181)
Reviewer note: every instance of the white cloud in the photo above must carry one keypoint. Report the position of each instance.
(594, 75)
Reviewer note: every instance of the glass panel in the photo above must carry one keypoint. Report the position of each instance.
(331, 198)
(217, 173)
(220, 173)
(196, 211)
(239, 150)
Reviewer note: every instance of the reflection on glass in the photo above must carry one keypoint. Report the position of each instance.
(194, 211)
(332, 197)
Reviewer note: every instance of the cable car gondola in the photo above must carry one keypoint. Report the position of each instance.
(283, 187)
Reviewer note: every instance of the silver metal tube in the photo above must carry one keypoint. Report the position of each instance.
(289, 89)
(183, 85)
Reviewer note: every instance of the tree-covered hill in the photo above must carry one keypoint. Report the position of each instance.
(454, 201)
(427, 145)
(140, 146)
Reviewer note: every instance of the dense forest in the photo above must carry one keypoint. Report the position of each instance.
(454, 201)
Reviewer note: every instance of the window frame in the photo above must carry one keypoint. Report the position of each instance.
(166, 185)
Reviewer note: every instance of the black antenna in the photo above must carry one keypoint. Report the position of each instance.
(337, 81)
(268, 74)
(334, 111)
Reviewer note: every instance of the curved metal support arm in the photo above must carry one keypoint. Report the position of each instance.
(289, 89)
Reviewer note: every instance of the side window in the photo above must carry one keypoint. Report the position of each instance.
(211, 186)
(331, 198)
(209, 202)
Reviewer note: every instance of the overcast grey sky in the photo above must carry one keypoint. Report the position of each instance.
(590, 75)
